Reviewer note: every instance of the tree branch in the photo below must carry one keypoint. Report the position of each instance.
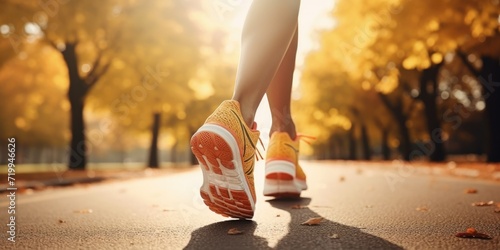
(91, 79)
(466, 62)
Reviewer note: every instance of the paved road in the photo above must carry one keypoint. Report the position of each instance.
(365, 207)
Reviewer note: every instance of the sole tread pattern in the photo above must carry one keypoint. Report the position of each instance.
(223, 190)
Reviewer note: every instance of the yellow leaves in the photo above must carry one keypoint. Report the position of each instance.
(431, 40)
(203, 89)
(389, 82)
(470, 16)
(20, 122)
(366, 85)
(437, 58)
(433, 25)
(181, 115)
(118, 64)
(80, 18)
(65, 106)
(318, 115)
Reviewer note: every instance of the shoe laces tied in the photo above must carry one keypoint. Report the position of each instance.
(305, 138)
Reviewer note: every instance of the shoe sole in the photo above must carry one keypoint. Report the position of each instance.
(280, 180)
(225, 189)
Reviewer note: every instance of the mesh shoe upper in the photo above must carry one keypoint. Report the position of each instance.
(282, 147)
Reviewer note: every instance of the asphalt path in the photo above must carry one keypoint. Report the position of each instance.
(392, 207)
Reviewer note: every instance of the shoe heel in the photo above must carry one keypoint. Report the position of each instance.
(280, 170)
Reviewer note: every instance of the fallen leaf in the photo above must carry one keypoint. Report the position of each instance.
(423, 209)
(333, 236)
(312, 221)
(483, 203)
(234, 231)
(62, 221)
(497, 210)
(342, 178)
(472, 233)
(471, 191)
(84, 211)
(297, 206)
(369, 206)
(278, 215)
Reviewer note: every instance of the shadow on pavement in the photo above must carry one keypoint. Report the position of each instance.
(214, 236)
(318, 237)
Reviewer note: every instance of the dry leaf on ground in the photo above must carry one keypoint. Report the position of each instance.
(470, 191)
(333, 236)
(84, 211)
(342, 178)
(297, 206)
(483, 203)
(497, 209)
(62, 221)
(312, 221)
(423, 209)
(472, 233)
(234, 231)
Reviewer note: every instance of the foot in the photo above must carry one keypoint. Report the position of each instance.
(284, 176)
(225, 149)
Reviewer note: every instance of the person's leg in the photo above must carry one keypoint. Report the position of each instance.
(279, 92)
(284, 176)
(269, 28)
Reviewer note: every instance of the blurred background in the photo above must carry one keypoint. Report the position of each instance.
(125, 83)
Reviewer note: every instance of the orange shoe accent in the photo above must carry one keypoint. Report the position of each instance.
(284, 175)
(225, 148)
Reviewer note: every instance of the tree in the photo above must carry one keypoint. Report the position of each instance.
(32, 97)
(98, 40)
(414, 35)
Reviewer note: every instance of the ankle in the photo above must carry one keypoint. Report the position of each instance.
(287, 127)
(248, 114)
(247, 109)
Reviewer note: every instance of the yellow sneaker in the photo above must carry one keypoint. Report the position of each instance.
(225, 148)
(284, 176)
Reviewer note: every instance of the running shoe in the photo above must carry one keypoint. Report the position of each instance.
(225, 148)
(284, 176)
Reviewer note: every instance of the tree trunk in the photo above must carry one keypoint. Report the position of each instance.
(428, 95)
(339, 146)
(396, 111)
(76, 95)
(365, 141)
(386, 151)
(153, 150)
(352, 144)
(405, 142)
(331, 148)
(78, 147)
(173, 153)
(490, 80)
(78, 89)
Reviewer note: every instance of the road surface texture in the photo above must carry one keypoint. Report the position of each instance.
(395, 207)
